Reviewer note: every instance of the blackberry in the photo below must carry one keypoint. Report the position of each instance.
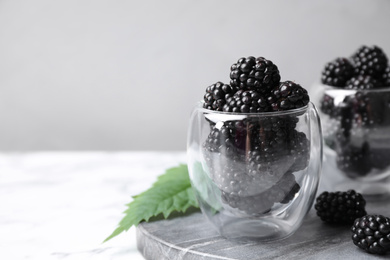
(249, 156)
(299, 147)
(361, 105)
(372, 234)
(220, 139)
(386, 77)
(282, 192)
(337, 72)
(327, 105)
(340, 207)
(276, 148)
(225, 154)
(362, 82)
(216, 94)
(370, 61)
(288, 95)
(248, 101)
(253, 73)
(354, 161)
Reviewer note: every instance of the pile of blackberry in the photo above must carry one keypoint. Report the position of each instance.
(252, 160)
(367, 68)
(357, 111)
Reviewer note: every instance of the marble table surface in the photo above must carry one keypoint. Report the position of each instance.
(62, 205)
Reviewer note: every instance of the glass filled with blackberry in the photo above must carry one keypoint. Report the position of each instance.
(255, 152)
(354, 106)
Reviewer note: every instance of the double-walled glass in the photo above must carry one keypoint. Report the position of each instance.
(255, 175)
(356, 127)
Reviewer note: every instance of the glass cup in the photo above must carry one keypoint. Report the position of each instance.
(356, 129)
(255, 175)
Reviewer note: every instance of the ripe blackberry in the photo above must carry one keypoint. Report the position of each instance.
(370, 61)
(253, 73)
(327, 105)
(372, 234)
(288, 95)
(354, 160)
(225, 154)
(276, 148)
(362, 82)
(246, 101)
(216, 94)
(340, 207)
(386, 77)
(299, 147)
(337, 72)
(282, 192)
(251, 155)
(219, 138)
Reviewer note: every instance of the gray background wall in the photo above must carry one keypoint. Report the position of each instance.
(124, 75)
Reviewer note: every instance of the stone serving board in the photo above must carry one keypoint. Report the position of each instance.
(191, 237)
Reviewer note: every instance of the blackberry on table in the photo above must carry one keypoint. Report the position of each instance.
(370, 61)
(215, 97)
(362, 82)
(288, 95)
(253, 73)
(372, 234)
(337, 73)
(340, 207)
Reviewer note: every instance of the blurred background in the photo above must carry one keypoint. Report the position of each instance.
(124, 75)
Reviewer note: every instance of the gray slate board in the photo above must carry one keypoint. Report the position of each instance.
(191, 237)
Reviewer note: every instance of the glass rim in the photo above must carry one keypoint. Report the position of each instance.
(373, 90)
(294, 111)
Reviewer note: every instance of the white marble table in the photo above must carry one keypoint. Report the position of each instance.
(62, 205)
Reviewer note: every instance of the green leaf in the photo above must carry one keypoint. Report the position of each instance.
(171, 192)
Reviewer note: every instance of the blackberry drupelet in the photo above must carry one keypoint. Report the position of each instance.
(340, 207)
(372, 234)
(253, 73)
(386, 77)
(246, 101)
(362, 82)
(370, 61)
(288, 95)
(216, 94)
(337, 73)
